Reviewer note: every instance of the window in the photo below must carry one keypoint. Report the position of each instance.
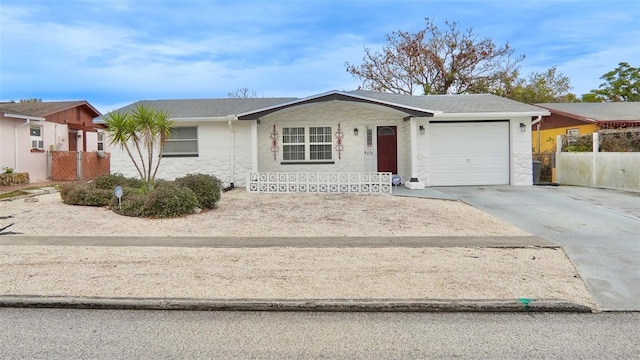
(100, 141)
(36, 137)
(182, 143)
(320, 143)
(572, 136)
(293, 144)
(312, 144)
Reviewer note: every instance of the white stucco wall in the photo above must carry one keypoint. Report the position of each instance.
(214, 154)
(349, 116)
(521, 158)
(6, 142)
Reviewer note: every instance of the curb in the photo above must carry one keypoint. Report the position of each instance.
(332, 305)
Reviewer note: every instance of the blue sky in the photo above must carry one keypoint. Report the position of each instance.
(112, 53)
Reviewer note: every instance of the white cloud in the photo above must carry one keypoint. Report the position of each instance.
(109, 52)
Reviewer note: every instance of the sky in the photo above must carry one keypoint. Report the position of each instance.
(115, 52)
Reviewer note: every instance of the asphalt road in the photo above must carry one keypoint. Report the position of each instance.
(598, 228)
(112, 334)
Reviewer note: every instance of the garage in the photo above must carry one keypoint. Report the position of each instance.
(469, 153)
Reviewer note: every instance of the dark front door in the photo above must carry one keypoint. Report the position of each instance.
(73, 141)
(387, 149)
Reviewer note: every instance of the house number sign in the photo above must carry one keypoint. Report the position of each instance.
(118, 193)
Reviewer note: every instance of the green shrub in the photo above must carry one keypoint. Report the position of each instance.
(131, 203)
(65, 189)
(85, 194)
(206, 187)
(169, 201)
(110, 181)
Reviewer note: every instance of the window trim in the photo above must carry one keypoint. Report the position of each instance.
(307, 146)
(184, 154)
(39, 138)
(100, 143)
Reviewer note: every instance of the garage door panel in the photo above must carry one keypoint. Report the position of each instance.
(468, 153)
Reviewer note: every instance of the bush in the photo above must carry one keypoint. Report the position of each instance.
(169, 201)
(85, 194)
(110, 181)
(131, 203)
(206, 187)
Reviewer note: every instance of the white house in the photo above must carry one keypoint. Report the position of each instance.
(287, 143)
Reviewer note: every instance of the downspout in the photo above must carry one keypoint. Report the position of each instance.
(15, 141)
(537, 122)
(232, 139)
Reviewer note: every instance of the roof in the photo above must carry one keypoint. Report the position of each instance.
(455, 104)
(340, 96)
(613, 111)
(42, 109)
(203, 108)
(252, 108)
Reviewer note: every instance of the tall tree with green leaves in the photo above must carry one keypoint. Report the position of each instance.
(621, 84)
(433, 61)
(142, 134)
(539, 87)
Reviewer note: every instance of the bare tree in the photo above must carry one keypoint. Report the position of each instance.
(431, 61)
(242, 93)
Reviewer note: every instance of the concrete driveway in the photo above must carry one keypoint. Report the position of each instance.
(598, 228)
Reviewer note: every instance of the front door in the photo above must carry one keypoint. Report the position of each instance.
(387, 149)
(73, 141)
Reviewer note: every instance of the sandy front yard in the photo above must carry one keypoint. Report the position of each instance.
(281, 272)
(245, 214)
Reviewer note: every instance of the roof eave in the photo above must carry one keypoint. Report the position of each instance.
(23, 117)
(204, 118)
(501, 115)
(567, 114)
(335, 95)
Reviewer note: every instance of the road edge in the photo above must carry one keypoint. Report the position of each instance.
(319, 305)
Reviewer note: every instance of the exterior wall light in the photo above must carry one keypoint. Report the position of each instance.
(523, 127)
(355, 131)
(421, 130)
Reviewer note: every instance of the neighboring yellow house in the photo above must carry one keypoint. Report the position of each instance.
(580, 119)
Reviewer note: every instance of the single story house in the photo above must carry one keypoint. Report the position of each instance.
(579, 119)
(29, 129)
(433, 140)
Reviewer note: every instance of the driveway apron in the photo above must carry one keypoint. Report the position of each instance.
(598, 228)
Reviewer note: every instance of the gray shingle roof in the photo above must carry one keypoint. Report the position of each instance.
(41, 109)
(451, 104)
(447, 104)
(197, 108)
(629, 111)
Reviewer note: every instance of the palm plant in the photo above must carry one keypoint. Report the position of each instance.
(141, 132)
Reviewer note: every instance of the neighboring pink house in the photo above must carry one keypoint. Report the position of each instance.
(29, 129)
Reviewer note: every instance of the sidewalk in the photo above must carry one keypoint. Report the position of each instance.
(8, 189)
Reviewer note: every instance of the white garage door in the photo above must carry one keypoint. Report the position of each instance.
(469, 153)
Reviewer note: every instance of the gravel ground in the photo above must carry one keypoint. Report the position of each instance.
(245, 214)
(281, 273)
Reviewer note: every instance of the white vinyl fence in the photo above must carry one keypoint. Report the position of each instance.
(611, 170)
(367, 183)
